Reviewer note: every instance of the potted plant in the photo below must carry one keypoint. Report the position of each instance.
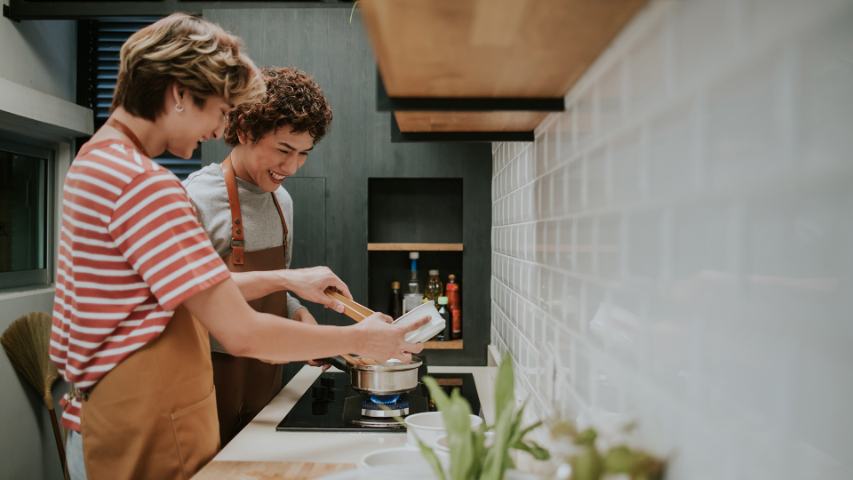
(583, 456)
(579, 453)
(471, 457)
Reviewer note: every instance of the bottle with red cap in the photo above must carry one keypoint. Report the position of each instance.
(454, 301)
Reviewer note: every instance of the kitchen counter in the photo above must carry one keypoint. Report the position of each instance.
(260, 441)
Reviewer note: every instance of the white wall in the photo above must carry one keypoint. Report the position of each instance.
(41, 55)
(39, 59)
(677, 247)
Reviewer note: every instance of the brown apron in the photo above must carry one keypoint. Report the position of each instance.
(244, 386)
(154, 414)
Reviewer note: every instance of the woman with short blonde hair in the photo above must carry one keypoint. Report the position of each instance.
(139, 285)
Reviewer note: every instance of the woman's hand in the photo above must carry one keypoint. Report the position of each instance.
(383, 340)
(311, 283)
(304, 316)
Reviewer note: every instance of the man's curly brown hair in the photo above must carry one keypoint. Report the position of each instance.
(293, 98)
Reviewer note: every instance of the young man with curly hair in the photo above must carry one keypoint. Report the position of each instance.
(248, 215)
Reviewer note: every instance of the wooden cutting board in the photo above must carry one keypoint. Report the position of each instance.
(221, 470)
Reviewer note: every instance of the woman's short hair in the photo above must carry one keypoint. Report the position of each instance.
(197, 55)
(293, 99)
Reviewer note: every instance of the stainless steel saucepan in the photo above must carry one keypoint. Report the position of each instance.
(366, 375)
(382, 378)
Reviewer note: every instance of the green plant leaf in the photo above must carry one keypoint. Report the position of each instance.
(637, 464)
(586, 437)
(534, 449)
(497, 456)
(587, 464)
(457, 422)
(504, 386)
(619, 459)
(456, 413)
(431, 458)
(530, 428)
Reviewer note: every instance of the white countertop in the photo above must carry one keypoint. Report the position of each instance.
(260, 441)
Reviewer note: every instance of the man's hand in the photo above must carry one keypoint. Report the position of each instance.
(311, 283)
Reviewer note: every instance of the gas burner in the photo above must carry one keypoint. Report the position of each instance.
(385, 406)
(332, 405)
(384, 399)
(384, 423)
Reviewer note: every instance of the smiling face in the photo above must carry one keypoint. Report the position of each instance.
(274, 157)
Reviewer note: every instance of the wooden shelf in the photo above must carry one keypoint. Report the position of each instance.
(509, 50)
(415, 247)
(468, 121)
(449, 345)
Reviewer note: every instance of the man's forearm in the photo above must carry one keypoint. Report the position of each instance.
(257, 284)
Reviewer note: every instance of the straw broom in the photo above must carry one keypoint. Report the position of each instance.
(26, 342)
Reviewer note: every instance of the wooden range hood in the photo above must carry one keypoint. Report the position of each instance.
(484, 69)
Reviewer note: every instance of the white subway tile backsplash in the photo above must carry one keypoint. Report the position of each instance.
(611, 98)
(596, 179)
(672, 155)
(575, 197)
(823, 96)
(674, 248)
(625, 168)
(646, 81)
(585, 119)
(743, 126)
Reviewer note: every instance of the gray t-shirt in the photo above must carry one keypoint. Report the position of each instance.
(261, 226)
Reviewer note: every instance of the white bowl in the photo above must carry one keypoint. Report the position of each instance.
(405, 458)
(429, 426)
(405, 462)
(431, 329)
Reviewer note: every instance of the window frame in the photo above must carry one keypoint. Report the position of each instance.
(39, 277)
(96, 39)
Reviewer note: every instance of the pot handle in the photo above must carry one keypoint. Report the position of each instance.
(337, 362)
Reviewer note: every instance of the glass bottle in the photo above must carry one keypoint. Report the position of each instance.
(395, 304)
(454, 297)
(447, 333)
(434, 287)
(413, 297)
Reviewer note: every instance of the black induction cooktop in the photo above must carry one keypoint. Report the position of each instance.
(331, 405)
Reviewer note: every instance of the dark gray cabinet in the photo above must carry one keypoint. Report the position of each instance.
(330, 192)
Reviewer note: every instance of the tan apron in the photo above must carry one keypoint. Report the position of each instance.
(244, 386)
(154, 414)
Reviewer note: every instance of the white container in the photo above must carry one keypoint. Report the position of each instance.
(404, 459)
(431, 329)
(429, 427)
(397, 463)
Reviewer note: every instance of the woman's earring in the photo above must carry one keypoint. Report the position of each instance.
(179, 108)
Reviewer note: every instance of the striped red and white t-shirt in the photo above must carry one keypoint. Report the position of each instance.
(131, 250)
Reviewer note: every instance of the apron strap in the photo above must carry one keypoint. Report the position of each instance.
(237, 239)
(283, 225)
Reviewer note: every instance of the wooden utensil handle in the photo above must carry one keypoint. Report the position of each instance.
(357, 312)
(352, 309)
